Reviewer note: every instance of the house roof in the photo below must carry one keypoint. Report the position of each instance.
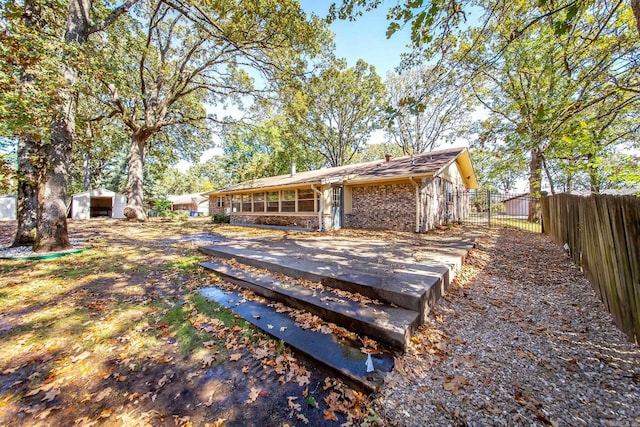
(416, 166)
(186, 199)
(517, 196)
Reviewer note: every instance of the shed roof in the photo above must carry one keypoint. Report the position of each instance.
(419, 165)
(96, 192)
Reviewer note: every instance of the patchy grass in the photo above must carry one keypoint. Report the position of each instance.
(118, 335)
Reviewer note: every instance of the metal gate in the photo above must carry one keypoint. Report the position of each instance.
(494, 209)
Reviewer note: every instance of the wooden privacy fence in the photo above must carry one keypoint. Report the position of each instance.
(603, 235)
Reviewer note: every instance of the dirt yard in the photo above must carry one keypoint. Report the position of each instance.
(118, 335)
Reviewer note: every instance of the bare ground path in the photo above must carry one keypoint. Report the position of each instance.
(521, 339)
(118, 336)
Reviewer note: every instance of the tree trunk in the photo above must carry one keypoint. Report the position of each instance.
(52, 187)
(635, 6)
(535, 184)
(27, 191)
(135, 194)
(87, 170)
(27, 201)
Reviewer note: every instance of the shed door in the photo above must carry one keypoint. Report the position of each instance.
(337, 201)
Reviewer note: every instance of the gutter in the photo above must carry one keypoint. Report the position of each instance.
(321, 211)
(418, 205)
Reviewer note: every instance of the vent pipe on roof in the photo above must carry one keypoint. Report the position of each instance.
(293, 168)
(387, 157)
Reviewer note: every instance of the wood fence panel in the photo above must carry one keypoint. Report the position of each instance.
(631, 218)
(603, 234)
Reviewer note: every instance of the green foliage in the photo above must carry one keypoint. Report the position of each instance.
(198, 178)
(168, 62)
(498, 169)
(220, 219)
(162, 205)
(266, 148)
(540, 68)
(30, 74)
(8, 178)
(338, 110)
(426, 105)
(179, 215)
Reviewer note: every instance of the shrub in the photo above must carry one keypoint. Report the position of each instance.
(220, 219)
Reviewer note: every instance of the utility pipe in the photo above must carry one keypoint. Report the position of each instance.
(321, 211)
(418, 219)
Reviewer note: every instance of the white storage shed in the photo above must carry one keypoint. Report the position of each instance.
(98, 203)
(8, 207)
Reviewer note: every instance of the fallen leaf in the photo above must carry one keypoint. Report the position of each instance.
(245, 369)
(105, 413)
(51, 394)
(302, 380)
(80, 357)
(165, 359)
(329, 415)
(311, 401)
(235, 357)
(32, 392)
(302, 418)
(208, 360)
(293, 406)
(163, 381)
(44, 414)
(217, 423)
(103, 394)
(253, 395)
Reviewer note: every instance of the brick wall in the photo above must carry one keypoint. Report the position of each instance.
(213, 206)
(383, 207)
(305, 221)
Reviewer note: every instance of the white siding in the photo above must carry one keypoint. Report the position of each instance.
(119, 203)
(80, 206)
(7, 208)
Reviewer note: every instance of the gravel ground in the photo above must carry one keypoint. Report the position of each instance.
(520, 339)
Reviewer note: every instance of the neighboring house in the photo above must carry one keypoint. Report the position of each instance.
(8, 208)
(517, 205)
(412, 193)
(97, 203)
(195, 202)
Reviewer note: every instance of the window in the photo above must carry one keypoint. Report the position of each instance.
(289, 201)
(258, 202)
(246, 203)
(448, 190)
(306, 200)
(220, 202)
(235, 203)
(273, 201)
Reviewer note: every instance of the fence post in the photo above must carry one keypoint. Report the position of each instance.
(489, 207)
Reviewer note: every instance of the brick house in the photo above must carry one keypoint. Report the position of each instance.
(411, 193)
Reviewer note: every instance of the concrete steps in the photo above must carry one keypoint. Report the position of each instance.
(406, 293)
(387, 324)
(415, 289)
(339, 356)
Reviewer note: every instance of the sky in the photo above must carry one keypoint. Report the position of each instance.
(365, 37)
